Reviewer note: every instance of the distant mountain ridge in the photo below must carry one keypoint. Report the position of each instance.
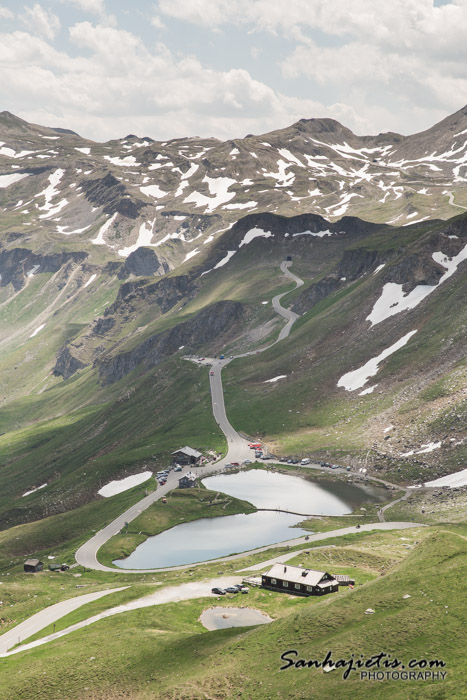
(63, 191)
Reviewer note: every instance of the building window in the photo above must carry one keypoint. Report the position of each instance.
(309, 589)
(273, 581)
(285, 584)
(297, 586)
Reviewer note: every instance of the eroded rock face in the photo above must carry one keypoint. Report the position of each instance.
(143, 262)
(165, 293)
(18, 263)
(415, 270)
(108, 192)
(219, 319)
(66, 364)
(316, 293)
(358, 261)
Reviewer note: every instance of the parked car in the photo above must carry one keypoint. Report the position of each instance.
(247, 461)
(231, 589)
(244, 590)
(64, 567)
(235, 464)
(305, 461)
(164, 500)
(178, 468)
(211, 373)
(218, 591)
(258, 454)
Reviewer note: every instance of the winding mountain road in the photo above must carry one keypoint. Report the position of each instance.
(86, 555)
(238, 449)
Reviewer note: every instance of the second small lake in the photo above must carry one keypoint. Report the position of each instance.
(270, 489)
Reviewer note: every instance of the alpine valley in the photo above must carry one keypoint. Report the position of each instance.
(120, 262)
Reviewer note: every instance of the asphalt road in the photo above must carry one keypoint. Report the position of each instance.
(48, 616)
(238, 449)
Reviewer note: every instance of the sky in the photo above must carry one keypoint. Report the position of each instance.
(226, 68)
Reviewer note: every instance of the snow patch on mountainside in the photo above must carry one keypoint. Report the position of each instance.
(38, 329)
(218, 187)
(240, 205)
(99, 239)
(393, 300)
(144, 239)
(28, 493)
(61, 229)
(7, 180)
(90, 281)
(252, 234)
(153, 191)
(451, 481)
(51, 190)
(319, 234)
(118, 486)
(127, 161)
(359, 377)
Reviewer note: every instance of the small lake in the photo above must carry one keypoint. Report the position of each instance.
(221, 618)
(210, 538)
(213, 538)
(268, 489)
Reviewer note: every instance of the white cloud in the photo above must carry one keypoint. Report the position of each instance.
(96, 7)
(118, 85)
(157, 22)
(414, 51)
(42, 22)
(381, 66)
(5, 13)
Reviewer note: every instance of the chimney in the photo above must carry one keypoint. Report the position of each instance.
(285, 569)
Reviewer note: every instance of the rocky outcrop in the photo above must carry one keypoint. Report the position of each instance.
(357, 261)
(165, 293)
(143, 262)
(315, 293)
(415, 270)
(215, 321)
(66, 364)
(103, 326)
(18, 263)
(110, 193)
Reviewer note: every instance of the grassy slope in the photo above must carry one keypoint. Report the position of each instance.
(80, 451)
(163, 652)
(306, 412)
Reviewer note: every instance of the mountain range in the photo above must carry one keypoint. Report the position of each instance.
(119, 260)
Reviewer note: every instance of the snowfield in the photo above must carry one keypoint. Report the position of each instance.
(359, 377)
(114, 487)
(451, 481)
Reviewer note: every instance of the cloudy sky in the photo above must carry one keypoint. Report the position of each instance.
(226, 68)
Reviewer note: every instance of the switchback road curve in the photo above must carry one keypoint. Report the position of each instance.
(237, 447)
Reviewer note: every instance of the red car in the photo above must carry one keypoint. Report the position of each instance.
(211, 373)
